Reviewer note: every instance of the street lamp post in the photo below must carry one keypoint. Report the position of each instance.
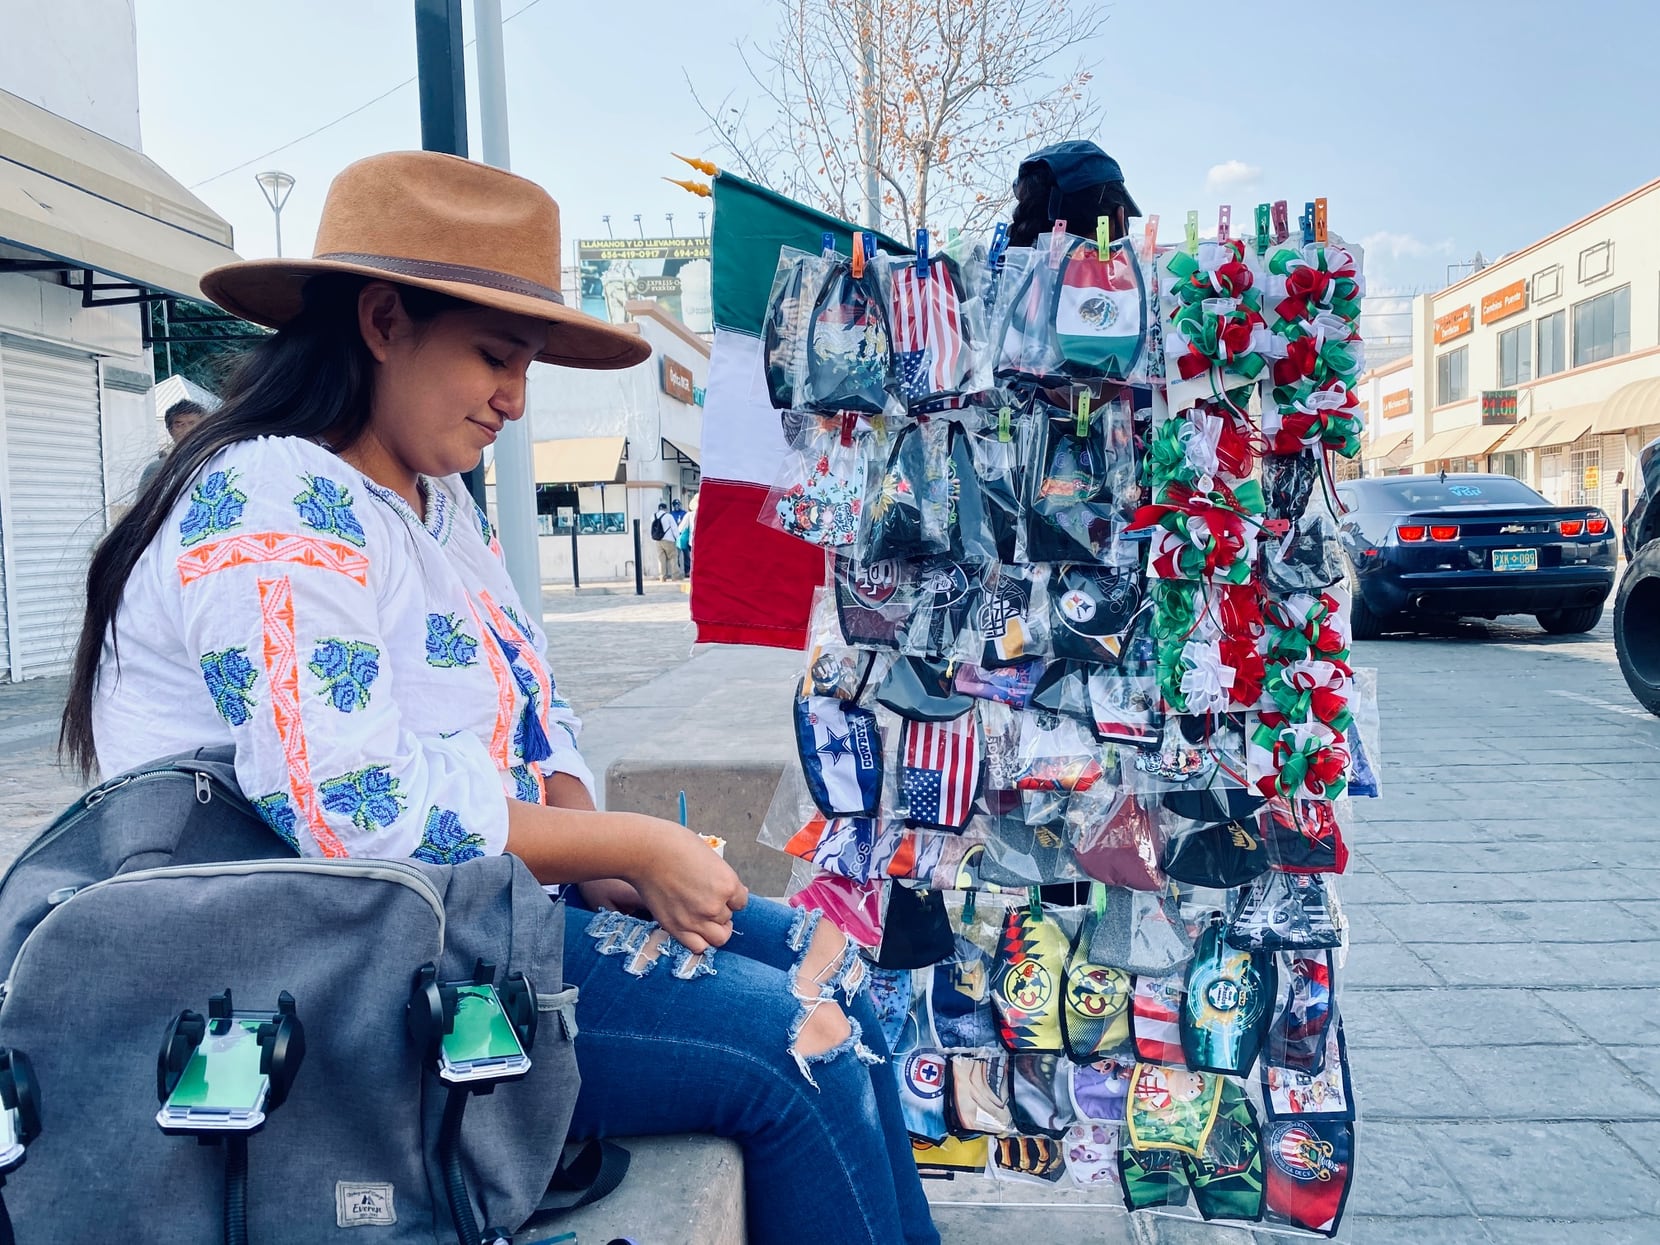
(670, 217)
(276, 187)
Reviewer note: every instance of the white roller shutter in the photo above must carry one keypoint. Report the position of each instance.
(55, 511)
(5, 646)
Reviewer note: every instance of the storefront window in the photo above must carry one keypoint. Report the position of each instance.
(1509, 464)
(1553, 346)
(1602, 327)
(1515, 356)
(1452, 376)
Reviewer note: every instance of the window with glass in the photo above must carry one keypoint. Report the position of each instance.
(1602, 327)
(1515, 356)
(1553, 343)
(1452, 376)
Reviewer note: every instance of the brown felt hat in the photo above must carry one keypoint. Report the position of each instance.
(442, 223)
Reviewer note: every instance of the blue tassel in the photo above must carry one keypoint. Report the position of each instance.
(533, 740)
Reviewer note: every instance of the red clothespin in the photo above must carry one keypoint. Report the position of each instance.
(1224, 218)
(1057, 244)
(1320, 220)
(1282, 221)
(849, 422)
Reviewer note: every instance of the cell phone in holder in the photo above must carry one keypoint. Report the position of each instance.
(225, 1073)
(475, 1034)
(19, 1109)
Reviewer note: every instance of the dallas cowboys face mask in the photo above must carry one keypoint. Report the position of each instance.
(841, 755)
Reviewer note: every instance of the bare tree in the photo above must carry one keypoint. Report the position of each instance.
(908, 112)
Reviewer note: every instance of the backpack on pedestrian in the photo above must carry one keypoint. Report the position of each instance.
(658, 528)
(163, 888)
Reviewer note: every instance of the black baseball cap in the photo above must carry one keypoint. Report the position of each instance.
(1076, 165)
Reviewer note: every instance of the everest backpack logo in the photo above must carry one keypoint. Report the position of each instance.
(841, 755)
(931, 356)
(1099, 325)
(849, 349)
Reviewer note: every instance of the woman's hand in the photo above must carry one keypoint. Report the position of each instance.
(613, 893)
(689, 889)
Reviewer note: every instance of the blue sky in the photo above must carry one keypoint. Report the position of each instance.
(1434, 128)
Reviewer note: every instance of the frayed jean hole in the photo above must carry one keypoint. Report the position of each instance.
(824, 1031)
(803, 927)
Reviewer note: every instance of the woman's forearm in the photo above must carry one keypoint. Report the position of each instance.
(563, 845)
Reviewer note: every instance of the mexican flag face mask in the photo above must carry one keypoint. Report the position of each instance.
(1098, 314)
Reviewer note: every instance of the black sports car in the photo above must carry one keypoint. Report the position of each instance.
(1472, 546)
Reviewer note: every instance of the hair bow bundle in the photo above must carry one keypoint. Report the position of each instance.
(1296, 761)
(1211, 535)
(1214, 313)
(1314, 295)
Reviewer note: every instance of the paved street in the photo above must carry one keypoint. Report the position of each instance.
(1504, 897)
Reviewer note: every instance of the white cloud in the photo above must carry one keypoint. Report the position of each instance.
(1231, 175)
(1385, 244)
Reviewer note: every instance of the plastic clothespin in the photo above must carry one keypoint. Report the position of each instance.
(1320, 220)
(999, 244)
(921, 254)
(1057, 244)
(849, 422)
(683, 820)
(1224, 219)
(829, 243)
(1150, 237)
(1103, 236)
(870, 247)
(1034, 902)
(968, 906)
(1005, 423)
(1282, 221)
(1306, 220)
(1191, 234)
(1083, 413)
(1263, 237)
(858, 256)
(1098, 898)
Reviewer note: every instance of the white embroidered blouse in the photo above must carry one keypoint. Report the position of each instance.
(384, 688)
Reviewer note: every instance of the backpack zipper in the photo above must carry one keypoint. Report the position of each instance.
(378, 870)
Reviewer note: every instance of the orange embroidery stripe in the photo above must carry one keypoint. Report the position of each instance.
(501, 743)
(282, 670)
(264, 548)
(528, 651)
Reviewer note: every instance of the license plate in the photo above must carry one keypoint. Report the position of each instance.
(1515, 559)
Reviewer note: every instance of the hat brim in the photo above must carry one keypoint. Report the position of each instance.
(271, 292)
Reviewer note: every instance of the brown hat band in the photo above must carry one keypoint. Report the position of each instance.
(435, 270)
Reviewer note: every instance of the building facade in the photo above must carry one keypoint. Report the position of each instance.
(1544, 365)
(91, 231)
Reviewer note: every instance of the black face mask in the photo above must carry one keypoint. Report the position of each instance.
(916, 932)
(873, 600)
(919, 690)
(1090, 610)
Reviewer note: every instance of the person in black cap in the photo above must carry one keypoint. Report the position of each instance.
(1073, 181)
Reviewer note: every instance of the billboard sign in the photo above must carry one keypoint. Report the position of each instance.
(670, 271)
(1498, 406)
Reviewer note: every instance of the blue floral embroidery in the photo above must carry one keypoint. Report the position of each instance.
(445, 841)
(215, 507)
(279, 815)
(447, 644)
(230, 675)
(369, 796)
(484, 528)
(327, 507)
(347, 668)
(527, 783)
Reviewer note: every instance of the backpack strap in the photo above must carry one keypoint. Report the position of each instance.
(588, 1171)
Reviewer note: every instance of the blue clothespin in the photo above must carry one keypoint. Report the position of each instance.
(683, 820)
(829, 243)
(1306, 220)
(870, 247)
(999, 244)
(922, 254)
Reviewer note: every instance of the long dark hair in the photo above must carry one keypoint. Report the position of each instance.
(1081, 209)
(313, 378)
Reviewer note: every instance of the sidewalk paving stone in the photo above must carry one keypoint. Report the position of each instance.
(1481, 1018)
(1567, 1171)
(1612, 1017)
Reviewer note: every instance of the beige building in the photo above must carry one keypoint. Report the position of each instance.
(1544, 365)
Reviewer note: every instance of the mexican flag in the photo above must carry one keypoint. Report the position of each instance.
(751, 584)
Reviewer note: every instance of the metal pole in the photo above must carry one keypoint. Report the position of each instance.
(576, 573)
(639, 573)
(515, 451)
(278, 214)
(867, 115)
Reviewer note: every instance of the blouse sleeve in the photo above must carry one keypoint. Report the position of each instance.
(279, 590)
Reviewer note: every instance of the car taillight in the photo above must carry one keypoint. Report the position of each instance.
(1411, 534)
(1571, 527)
(1443, 533)
(1597, 525)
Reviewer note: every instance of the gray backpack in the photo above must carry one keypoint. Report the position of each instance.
(162, 888)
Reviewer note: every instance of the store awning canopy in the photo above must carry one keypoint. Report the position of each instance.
(1388, 444)
(72, 196)
(1548, 428)
(1637, 405)
(689, 452)
(576, 460)
(1438, 447)
(1480, 440)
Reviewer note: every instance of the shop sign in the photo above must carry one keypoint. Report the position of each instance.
(1498, 406)
(1454, 324)
(1504, 302)
(678, 381)
(1397, 403)
(1593, 479)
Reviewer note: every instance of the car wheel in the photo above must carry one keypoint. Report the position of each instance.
(1637, 626)
(1364, 624)
(1571, 622)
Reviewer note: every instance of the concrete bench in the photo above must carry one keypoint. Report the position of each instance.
(686, 1190)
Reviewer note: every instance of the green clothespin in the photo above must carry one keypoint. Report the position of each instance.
(1083, 413)
(1098, 898)
(1263, 236)
(1191, 245)
(1034, 902)
(1103, 236)
(1005, 421)
(968, 906)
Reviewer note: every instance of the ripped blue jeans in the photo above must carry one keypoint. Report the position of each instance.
(674, 1043)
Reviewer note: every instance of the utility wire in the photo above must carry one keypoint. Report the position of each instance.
(345, 116)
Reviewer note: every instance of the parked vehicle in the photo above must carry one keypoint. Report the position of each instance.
(1637, 606)
(1472, 546)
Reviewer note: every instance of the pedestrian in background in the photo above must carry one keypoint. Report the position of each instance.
(663, 531)
(181, 420)
(684, 537)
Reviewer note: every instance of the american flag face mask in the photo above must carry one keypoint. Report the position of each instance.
(931, 352)
(939, 771)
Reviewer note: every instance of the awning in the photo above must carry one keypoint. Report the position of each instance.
(69, 194)
(577, 460)
(1479, 440)
(685, 451)
(1637, 405)
(1438, 447)
(1549, 428)
(1384, 446)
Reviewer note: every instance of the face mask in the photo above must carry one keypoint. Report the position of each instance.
(872, 602)
(939, 772)
(1228, 1005)
(1028, 978)
(1285, 912)
(849, 350)
(840, 748)
(1309, 1167)
(916, 932)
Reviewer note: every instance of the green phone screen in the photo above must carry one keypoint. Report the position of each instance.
(482, 1030)
(223, 1073)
